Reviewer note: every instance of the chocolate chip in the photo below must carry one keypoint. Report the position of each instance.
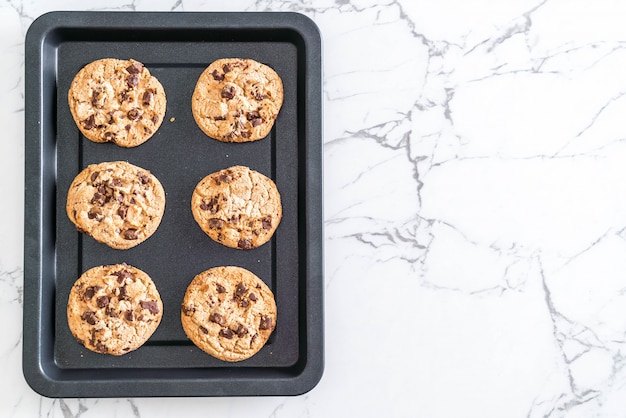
(266, 222)
(94, 176)
(131, 234)
(203, 329)
(133, 114)
(135, 67)
(227, 333)
(259, 96)
(123, 295)
(154, 119)
(219, 118)
(122, 211)
(225, 178)
(95, 97)
(256, 122)
(244, 244)
(129, 316)
(98, 199)
(188, 310)
(143, 177)
(212, 205)
(95, 213)
(220, 288)
(252, 297)
(127, 127)
(90, 122)
(124, 96)
(253, 339)
(101, 348)
(226, 68)
(89, 317)
(132, 80)
(150, 305)
(244, 303)
(228, 92)
(241, 290)
(89, 292)
(121, 275)
(102, 301)
(266, 322)
(241, 330)
(111, 312)
(217, 76)
(245, 134)
(147, 97)
(215, 223)
(108, 136)
(217, 318)
(253, 115)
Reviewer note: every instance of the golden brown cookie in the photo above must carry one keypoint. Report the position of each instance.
(237, 100)
(117, 203)
(228, 312)
(117, 101)
(237, 207)
(114, 309)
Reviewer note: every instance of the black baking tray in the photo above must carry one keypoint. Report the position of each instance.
(175, 47)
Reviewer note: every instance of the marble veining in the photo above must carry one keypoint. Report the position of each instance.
(475, 211)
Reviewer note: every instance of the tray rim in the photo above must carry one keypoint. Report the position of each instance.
(44, 378)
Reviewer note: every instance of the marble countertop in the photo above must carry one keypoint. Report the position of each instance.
(475, 211)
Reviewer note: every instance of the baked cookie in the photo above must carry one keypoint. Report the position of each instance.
(117, 101)
(237, 207)
(117, 203)
(228, 312)
(237, 100)
(114, 309)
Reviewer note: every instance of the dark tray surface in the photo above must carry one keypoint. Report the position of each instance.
(176, 47)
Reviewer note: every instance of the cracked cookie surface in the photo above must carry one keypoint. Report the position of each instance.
(117, 101)
(237, 207)
(114, 309)
(116, 203)
(228, 312)
(237, 100)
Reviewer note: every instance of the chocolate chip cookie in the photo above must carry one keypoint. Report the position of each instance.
(114, 309)
(237, 207)
(117, 101)
(117, 203)
(237, 100)
(228, 312)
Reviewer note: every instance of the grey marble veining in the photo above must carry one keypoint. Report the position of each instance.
(475, 211)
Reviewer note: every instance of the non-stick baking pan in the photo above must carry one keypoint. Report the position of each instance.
(175, 47)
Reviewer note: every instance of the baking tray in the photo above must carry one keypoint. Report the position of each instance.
(175, 47)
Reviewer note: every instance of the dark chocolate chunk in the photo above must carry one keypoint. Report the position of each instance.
(90, 122)
(217, 76)
(266, 322)
(227, 333)
(217, 318)
(89, 292)
(135, 68)
(98, 199)
(132, 80)
(143, 177)
(215, 223)
(147, 97)
(220, 288)
(101, 348)
(122, 274)
(102, 301)
(228, 92)
(266, 222)
(150, 305)
(122, 211)
(226, 68)
(133, 114)
(256, 122)
(131, 234)
(89, 317)
(94, 176)
(95, 213)
(244, 244)
(241, 290)
(252, 297)
(241, 330)
(129, 316)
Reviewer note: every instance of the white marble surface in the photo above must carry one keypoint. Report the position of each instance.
(475, 211)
